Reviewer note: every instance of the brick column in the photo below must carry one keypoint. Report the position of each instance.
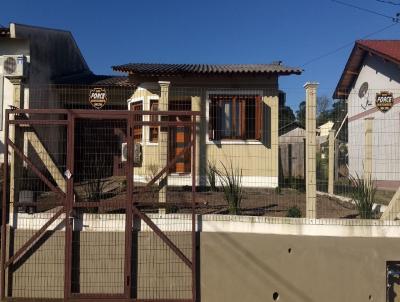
(311, 188)
(163, 142)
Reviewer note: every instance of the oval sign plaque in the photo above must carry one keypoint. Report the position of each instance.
(98, 97)
(384, 100)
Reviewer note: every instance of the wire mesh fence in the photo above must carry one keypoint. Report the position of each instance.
(248, 136)
(245, 153)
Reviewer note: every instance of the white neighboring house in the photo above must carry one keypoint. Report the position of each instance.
(372, 68)
(325, 128)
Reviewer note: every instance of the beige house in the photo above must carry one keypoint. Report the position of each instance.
(238, 126)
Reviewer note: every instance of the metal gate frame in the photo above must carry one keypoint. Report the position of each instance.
(131, 206)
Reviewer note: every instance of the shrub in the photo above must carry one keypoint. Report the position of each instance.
(151, 172)
(363, 194)
(212, 172)
(231, 181)
(95, 182)
(294, 212)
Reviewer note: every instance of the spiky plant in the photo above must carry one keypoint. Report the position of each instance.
(151, 172)
(212, 172)
(231, 181)
(363, 195)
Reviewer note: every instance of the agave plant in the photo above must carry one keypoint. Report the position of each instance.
(212, 172)
(231, 181)
(363, 195)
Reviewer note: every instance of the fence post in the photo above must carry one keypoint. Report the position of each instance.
(368, 123)
(311, 186)
(163, 142)
(331, 162)
(196, 106)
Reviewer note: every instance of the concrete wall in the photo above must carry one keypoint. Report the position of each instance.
(381, 76)
(252, 267)
(9, 46)
(241, 258)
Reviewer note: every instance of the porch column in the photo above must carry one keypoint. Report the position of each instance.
(196, 106)
(163, 142)
(311, 186)
(368, 145)
(331, 163)
(16, 136)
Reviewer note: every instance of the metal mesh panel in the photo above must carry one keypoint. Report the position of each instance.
(37, 191)
(145, 156)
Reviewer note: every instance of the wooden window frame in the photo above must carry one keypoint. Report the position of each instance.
(215, 111)
(153, 102)
(139, 106)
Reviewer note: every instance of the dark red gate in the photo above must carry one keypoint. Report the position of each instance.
(120, 242)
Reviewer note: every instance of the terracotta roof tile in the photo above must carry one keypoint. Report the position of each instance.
(390, 48)
(387, 49)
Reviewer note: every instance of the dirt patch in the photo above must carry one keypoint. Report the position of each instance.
(266, 202)
(256, 202)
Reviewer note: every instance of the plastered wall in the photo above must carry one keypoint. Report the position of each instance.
(233, 266)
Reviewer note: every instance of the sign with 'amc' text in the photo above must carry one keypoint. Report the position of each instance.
(98, 97)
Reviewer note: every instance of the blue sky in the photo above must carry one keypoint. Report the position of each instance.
(214, 31)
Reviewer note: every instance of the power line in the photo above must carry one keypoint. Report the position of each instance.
(388, 2)
(347, 45)
(394, 19)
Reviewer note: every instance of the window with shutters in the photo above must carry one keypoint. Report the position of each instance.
(137, 130)
(153, 130)
(235, 117)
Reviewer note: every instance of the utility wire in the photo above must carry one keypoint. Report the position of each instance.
(388, 2)
(347, 45)
(394, 19)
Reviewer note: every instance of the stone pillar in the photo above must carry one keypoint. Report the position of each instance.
(196, 106)
(331, 162)
(163, 142)
(368, 145)
(16, 136)
(311, 148)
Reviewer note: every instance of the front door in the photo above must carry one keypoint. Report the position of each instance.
(179, 137)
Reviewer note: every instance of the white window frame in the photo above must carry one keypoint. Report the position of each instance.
(229, 141)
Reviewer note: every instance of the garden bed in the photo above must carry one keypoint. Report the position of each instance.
(255, 202)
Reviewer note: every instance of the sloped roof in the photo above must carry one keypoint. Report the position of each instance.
(387, 49)
(4, 32)
(93, 79)
(153, 69)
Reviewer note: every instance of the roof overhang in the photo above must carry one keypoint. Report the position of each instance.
(169, 70)
(4, 32)
(353, 68)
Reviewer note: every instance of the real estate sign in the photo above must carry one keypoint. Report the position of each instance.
(98, 97)
(384, 100)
